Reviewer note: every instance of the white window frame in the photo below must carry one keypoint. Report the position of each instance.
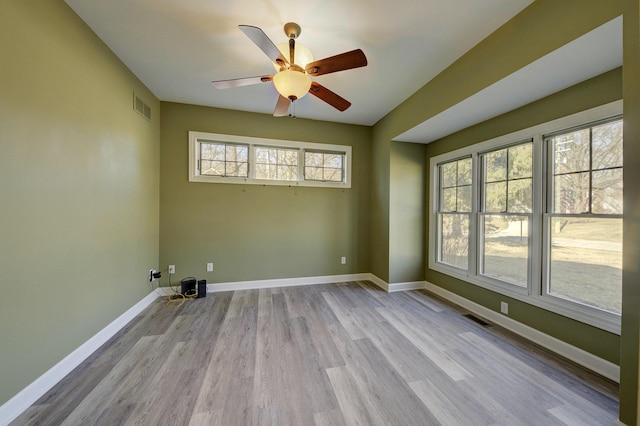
(195, 138)
(533, 293)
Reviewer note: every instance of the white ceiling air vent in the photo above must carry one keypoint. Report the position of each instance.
(141, 107)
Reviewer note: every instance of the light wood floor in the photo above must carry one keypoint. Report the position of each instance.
(340, 354)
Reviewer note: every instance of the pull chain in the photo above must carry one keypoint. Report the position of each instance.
(292, 109)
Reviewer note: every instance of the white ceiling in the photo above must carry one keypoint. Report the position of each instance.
(177, 47)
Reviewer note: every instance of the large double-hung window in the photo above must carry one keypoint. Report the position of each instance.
(584, 215)
(505, 213)
(537, 215)
(454, 207)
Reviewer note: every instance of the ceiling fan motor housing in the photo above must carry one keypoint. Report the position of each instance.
(292, 30)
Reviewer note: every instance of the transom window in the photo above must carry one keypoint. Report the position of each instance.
(537, 215)
(216, 158)
(276, 163)
(324, 166)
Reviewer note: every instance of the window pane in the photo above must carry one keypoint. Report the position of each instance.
(607, 145)
(313, 173)
(212, 168)
(495, 166)
(237, 153)
(464, 199)
(448, 201)
(236, 169)
(312, 159)
(571, 152)
(262, 171)
(262, 155)
(520, 161)
(454, 239)
(287, 173)
(506, 248)
(571, 193)
(212, 151)
(333, 175)
(464, 172)
(243, 170)
(495, 197)
(324, 166)
(449, 174)
(586, 261)
(520, 197)
(276, 163)
(333, 161)
(607, 192)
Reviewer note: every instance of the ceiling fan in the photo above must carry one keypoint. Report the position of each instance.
(292, 79)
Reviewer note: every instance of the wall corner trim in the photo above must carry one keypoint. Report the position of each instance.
(32, 392)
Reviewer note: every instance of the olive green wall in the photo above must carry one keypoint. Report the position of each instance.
(629, 350)
(407, 212)
(255, 232)
(589, 94)
(79, 210)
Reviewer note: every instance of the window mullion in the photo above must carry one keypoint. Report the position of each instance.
(301, 164)
(474, 216)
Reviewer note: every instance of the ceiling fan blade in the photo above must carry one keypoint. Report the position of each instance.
(282, 107)
(264, 43)
(237, 82)
(329, 97)
(343, 61)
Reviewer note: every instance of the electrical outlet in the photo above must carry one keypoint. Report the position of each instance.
(504, 308)
(210, 267)
(343, 260)
(172, 269)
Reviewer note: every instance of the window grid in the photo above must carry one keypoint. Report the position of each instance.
(323, 166)
(275, 163)
(455, 181)
(224, 159)
(454, 206)
(589, 170)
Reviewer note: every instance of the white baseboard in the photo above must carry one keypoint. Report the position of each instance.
(412, 285)
(582, 357)
(30, 394)
(284, 282)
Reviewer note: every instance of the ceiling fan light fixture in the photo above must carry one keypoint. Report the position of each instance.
(292, 84)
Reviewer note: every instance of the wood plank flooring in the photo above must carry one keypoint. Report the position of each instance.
(338, 354)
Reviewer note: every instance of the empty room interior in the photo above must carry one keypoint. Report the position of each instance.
(388, 213)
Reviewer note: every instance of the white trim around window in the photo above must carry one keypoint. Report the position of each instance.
(534, 292)
(297, 178)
